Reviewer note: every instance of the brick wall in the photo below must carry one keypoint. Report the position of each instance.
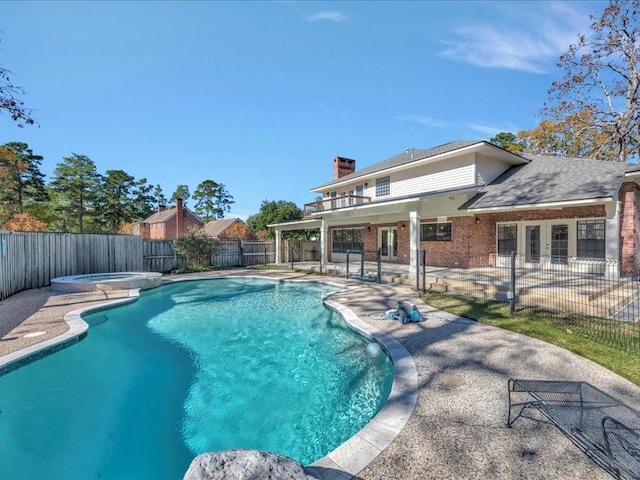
(471, 238)
(629, 235)
(370, 243)
(457, 251)
(343, 166)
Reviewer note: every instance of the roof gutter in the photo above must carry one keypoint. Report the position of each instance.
(538, 206)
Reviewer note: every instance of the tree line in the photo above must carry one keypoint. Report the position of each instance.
(593, 111)
(79, 199)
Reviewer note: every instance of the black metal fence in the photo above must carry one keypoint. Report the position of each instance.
(358, 263)
(586, 296)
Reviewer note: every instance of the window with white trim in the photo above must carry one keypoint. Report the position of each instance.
(591, 239)
(507, 238)
(383, 186)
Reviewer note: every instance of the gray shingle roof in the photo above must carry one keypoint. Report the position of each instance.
(408, 156)
(216, 227)
(166, 214)
(159, 217)
(549, 180)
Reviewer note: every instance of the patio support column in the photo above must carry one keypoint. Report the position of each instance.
(324, 230)
(278, 245)
(612, 236)
(414, 243)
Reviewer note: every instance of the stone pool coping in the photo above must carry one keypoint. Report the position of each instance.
(361, 449)
(76, 330)
(347, 459)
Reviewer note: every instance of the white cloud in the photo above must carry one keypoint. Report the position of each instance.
(423, 120)
(327, 15)
(528, 39)
(491, 130)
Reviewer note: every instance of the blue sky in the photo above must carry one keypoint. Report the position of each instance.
(260, 96)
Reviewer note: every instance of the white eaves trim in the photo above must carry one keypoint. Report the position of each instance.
(538, 206)
(297, 224)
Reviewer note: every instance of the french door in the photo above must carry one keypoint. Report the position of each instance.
(388, 243)
(546, 243)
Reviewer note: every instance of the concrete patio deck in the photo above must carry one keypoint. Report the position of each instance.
(458, 427)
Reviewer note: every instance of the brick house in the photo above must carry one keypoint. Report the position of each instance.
(165, 224)
(229, 229)
(467, 199)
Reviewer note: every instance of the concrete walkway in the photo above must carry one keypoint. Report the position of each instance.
(458, 428)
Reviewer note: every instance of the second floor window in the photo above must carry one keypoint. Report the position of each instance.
(383, 186)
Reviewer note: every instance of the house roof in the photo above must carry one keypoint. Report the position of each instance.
(551, 180)
(160, 217)
(166, 214)
(215, 227)
(406, 157)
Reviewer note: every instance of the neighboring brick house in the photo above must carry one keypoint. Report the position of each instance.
(166, 225)
(467, 199)
(229, 229)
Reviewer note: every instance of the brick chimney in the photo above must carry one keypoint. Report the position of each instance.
(343, 166)
(179, 218)
(161, 208)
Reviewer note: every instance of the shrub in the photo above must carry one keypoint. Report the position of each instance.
(197, 247)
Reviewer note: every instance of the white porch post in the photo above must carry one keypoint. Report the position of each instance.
(278, 245)
(324, 230)
(414, 243)
(612, 235)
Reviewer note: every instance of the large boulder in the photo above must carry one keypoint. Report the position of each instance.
(244, 464)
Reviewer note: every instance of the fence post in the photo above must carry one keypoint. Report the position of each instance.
(347, 264)
(417, 269)
(511, 294)
(265, 254)
(379, 259)
(175, 256)
(291, 255)
(424, 271)
(361, 264)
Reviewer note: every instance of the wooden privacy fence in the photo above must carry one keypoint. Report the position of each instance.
(300, 250)
(32, 259)
(159, 255)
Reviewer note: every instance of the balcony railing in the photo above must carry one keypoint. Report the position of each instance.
(333, 203)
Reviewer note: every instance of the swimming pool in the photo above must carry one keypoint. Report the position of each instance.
(192, 367)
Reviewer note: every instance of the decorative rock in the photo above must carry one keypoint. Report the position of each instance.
(241, 464)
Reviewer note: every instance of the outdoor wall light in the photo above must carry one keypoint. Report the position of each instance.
(403, 226)
(477, 220)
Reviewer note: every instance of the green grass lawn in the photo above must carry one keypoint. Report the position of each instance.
(538, 324)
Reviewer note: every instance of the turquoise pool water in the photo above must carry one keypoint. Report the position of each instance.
(188, 368)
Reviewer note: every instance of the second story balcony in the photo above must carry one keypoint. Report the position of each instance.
(332, 203)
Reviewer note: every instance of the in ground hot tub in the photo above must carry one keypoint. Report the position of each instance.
(106, 281)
